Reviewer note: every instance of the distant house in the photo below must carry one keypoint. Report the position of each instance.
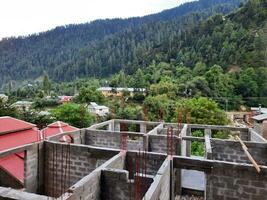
(65, 99)
(110, 91)
(260, 120)
(4, 97)
(23, 105)
(44, 113)
(98, 110)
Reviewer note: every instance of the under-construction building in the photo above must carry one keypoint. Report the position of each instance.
(124, 159)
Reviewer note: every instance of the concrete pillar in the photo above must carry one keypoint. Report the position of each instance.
(145, 142)
(31, 169)
(208, 150)
(117, 126)
(143, 128)
(111, 126)
(188, 143)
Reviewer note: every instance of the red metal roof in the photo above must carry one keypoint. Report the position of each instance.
(13, 165)
(21, 133)
(57, 128)
(65, 99)
(9, 125)
(20, 138)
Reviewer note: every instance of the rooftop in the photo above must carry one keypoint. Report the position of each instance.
(10, 125)
(260, 117)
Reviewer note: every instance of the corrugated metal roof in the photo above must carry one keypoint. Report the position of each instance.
(263, 110)
(14, 165)
(11, 140)
(19, 133)
(10, 125)
(56, 128)
(260, 117)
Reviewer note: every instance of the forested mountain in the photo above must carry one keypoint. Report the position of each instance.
(102, 47)
(224, 58)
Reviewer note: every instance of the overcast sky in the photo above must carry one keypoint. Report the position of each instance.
(23, 17)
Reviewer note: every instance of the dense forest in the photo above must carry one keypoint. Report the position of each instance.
(102, 47)
(224, 57)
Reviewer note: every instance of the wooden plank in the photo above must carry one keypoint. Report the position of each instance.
(244, 147)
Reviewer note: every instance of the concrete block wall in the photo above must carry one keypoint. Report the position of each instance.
(110, 139)
(135, 144)
(163, 131)
(158, 143)
(88, 188)
(115, 184)
(154, 162)
(233, 182)
(117, 162)
(81, 163)
(232, 151)
(160, 188)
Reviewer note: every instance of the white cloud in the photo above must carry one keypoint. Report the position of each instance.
(22, 17)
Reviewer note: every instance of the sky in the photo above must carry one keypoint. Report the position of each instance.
(23, 17)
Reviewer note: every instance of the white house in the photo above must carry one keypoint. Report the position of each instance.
(23, 105)
(98, 110)
(260, 120)
(4, 97)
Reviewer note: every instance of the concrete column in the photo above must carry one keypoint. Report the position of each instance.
(31, 169)
(111, 126)
(145, 142)
(188, 143)
(143, 128)
(117, 126)
(208, 150)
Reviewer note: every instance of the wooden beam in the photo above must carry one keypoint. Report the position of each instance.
(244, 147)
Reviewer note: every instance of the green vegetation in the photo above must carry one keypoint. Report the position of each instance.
(89, 94)
(7, 110)
(74, 114)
